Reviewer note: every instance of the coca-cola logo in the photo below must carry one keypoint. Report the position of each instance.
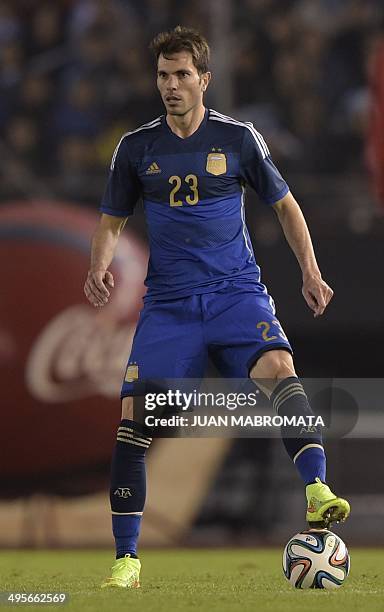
(75, 356)
(61, 360)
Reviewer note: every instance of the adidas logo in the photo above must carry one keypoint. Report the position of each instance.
(153, 169)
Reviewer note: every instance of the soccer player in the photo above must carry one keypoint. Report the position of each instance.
(204, 294)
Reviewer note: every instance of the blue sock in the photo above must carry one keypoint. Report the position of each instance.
(304, 445)
(126, 530)
(311, 464)
(128, 486)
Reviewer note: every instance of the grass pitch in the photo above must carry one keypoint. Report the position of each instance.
(181, 580)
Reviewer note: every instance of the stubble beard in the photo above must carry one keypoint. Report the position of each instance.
(179, 113)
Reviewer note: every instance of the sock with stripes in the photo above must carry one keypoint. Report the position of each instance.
(128, 486)
(303, 444)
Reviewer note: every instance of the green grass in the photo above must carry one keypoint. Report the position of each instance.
(181, 580)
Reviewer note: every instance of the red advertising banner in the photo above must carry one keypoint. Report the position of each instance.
(61, 361)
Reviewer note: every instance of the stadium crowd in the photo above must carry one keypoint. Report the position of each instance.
(76, 74)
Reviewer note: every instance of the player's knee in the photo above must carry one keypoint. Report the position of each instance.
(127, 408)
(273, 365)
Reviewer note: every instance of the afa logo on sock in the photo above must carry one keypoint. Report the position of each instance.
(123, 492)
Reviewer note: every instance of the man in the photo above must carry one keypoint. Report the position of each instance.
(204, 292)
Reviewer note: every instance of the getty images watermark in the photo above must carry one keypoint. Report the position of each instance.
(239, 408)
(198, 401)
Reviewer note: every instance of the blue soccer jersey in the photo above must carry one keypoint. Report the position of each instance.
(193, 193)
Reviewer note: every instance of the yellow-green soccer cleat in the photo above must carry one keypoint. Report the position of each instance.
(324, 507)
(125, 574)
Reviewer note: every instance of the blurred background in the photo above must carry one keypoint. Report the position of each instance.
(74, 76)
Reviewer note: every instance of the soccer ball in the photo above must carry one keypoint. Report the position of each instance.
(316, 559)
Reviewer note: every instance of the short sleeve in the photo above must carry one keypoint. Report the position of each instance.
(257, 168)
(123, 188)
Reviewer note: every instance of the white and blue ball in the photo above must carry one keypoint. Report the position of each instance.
(316, 559)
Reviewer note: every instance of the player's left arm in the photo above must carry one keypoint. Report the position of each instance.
(258, 170)
(316, 291)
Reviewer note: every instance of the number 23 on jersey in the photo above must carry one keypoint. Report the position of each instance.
(192, 198)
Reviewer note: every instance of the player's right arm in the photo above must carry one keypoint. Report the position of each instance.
(119, 200)
(99, 279)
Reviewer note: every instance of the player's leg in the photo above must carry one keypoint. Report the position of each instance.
(275, 375)
(248, 340)
(168, 344)
(275, 370)
(127, 496)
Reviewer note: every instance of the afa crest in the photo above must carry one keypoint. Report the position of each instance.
(216, 163)
(132, 373)
(123, 492)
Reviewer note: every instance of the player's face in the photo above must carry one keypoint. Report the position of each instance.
(180, 85)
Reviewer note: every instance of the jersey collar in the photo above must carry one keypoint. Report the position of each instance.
(192, 136)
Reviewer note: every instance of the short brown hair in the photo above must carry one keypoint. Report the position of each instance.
(182, 39)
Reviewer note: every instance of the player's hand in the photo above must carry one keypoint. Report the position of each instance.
(97, 286)
(316, 293)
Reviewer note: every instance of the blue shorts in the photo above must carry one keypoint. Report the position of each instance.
(174, 338)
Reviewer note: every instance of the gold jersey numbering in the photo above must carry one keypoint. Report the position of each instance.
(176, 181)
(265, 327)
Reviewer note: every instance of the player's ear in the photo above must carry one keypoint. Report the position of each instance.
(205, 79)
